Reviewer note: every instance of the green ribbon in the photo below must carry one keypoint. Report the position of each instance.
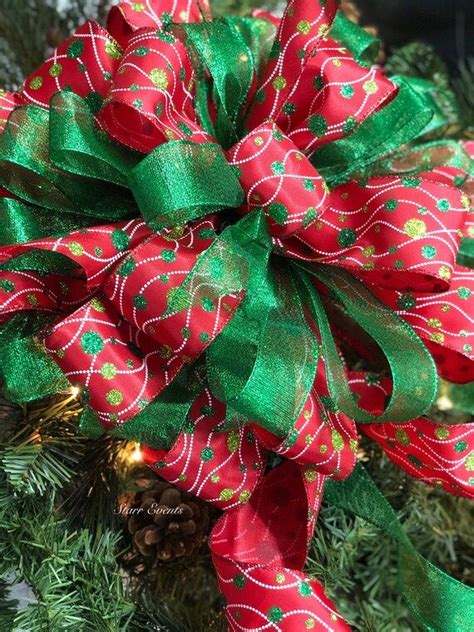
(228, 56)
(415, 384)
(28, 371)
(269, 379)
(385, 131)
(442, 102)
(364, 47)
(466, 253)
(172, 184)
(441, 603)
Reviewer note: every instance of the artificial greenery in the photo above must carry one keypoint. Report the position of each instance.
(59, 533)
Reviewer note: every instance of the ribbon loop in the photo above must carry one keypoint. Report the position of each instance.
(181, 181)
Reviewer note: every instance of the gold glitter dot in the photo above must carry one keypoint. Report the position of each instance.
(437, 337)
(435, 323)
(415, 228)
(258, 140)
(308, 438)
(337, 63)
(442, 433)
(279, 83)
(159, 78)
(304, 27)
(445, 273)
(370, 87)
(279, 578)
(310, 475)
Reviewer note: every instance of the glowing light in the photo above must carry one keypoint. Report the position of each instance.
(444, 403)
(75, 391)
(137, 455)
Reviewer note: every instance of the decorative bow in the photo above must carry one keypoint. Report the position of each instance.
(196, 294)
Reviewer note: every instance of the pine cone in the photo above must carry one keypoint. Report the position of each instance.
(166, 523)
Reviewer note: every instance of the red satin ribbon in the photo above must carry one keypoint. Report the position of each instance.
(401, 235)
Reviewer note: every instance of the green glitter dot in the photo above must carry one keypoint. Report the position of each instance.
(239, 581)
(159, 110)
(140, 302)
(7, 286)
(204, 336)
(309, 217)
(187, 131)
(305, 589)
(308, 184)
(399, 264)
(460, 446)
(467, 348)
(207, 410)
(114, 397)
(278, 212)
(127, 267)
(141, 51)
(138, 103)
(458, 180)
(349, 124)
(422, 210)
(275, 614)
(94, 101)
(185, 332)
(277, 135)
(278, 168)
(415, 460)
(391, 205)
(317, 125)
(75, 49)
(260, 96)
(207, 454)
(406, 301)
(98, 251)
(318, 83)
(164, 278)
(346, 237)
(464, 292)
(207, 304)
(411, 182)
(120, 240)
(289, 108)
(108, 371)
(347, 91)
(443, 205)
(168, 256)
(428, 252)
(392, 249)
(92, 343)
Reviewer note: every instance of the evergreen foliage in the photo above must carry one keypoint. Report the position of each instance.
(59, 533)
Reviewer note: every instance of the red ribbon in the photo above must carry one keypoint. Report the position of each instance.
(398, 234)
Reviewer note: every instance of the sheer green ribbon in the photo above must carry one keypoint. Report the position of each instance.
(466, 253)
(231, 51)
(441, 603)
(382, 133)
(58, 162)
(364, 47)
(415, 384)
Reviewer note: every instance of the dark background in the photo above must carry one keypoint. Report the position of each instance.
(446, 24)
